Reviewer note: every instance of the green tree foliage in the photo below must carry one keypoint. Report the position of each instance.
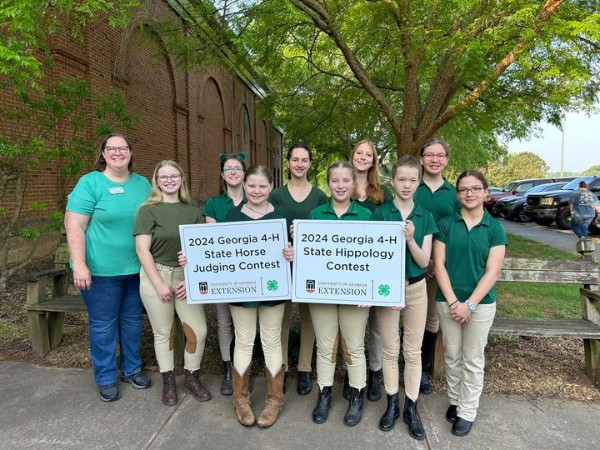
(516, 166)
(594, 170)
(402, 72)
(25, 26)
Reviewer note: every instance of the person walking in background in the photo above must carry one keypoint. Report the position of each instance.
(258, 184)
(584, 206)
(468, 252)
(233, 167)
(369, 193)
(439, 197)
(345, 323)
(99, 221)
(157, 245)
(418, 230)
(298, 197)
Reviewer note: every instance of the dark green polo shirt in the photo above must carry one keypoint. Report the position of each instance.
(371, 205)
(441, 203)
(217, 207)
(467, 253)
(297, 210)
(424, 225)
(326, 212)
(236, 215)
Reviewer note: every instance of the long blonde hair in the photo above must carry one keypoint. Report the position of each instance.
(156, 194)
(374, 190)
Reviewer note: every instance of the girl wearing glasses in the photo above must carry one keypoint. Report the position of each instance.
(468, 252)
(233, 167)
(437, 196)
(369, 194)
(99, 222)
(157, 245)
(298, 197)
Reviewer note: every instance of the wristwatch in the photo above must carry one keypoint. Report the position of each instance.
(472, 306)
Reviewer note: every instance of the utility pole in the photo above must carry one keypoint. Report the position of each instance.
(562, 147)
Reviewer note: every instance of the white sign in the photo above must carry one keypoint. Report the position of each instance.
(349, 262)
(236, 261)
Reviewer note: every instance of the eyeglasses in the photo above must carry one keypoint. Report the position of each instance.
(474, 190)
(435, 155)
(298, 160)
(164, 178)
(233, 169)
(123, 149)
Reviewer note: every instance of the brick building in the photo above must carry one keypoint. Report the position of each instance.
(187, 115)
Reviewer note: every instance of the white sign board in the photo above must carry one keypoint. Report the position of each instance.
(236, 261)
(349, 262)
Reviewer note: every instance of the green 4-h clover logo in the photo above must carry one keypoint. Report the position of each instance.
(272, 285)
(384, 290)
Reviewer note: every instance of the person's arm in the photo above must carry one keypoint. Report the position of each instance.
(441, 274)
(493, 267)
(142, 247)
(209, 220)
(75, 226)
(422, 254)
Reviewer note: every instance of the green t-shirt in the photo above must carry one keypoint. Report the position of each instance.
(218, 207)
(297, 210)
(112, 206)
(424, 225)
(371, 205)
(326, 212)
(236, 215)
(162, 220)
(467, 253)
(441, 203)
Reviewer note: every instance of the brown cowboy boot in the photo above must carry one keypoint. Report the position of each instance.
(274, 401)
(194, 387)
(169, 394)
(241, 397)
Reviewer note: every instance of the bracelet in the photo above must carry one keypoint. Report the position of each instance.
(450, 305)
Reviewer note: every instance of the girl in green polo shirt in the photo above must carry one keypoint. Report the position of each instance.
(419, 229)
(346, 321)
(299, 197)
(233, 167)
(468, 252)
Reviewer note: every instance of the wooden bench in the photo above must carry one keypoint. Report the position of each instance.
(48, 300)
(583, 272)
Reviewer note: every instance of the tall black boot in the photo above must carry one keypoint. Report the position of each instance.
(411, 418)
(346, 391)
(391, 413)
(321, 411)
(374, 385)
(355, 407)
(226, 388)
(427, 352)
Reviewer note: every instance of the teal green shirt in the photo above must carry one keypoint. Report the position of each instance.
(424, 225)
(467, 253)
(236, 215)
(161, 221)
(297, 210)
(218, 207)
(326, 212)
(441, 203)
(112, 207)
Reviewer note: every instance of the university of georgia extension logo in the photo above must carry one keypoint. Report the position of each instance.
(310, 286)
(203, 285)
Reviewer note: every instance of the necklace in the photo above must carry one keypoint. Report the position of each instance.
(258, 212)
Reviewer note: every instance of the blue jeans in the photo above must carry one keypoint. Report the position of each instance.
(114, 309)
(581, 228)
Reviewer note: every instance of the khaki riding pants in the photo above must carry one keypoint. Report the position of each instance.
(307, 336)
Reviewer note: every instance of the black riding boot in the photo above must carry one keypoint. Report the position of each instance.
(411, 418)
(374, 385)
(427, 351)
(355, 407)
(226, 388)
(321, 411)
(391, 413)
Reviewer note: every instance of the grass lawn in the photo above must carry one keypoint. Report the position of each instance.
(537, 299)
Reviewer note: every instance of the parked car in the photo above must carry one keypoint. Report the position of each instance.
(517, 187)
(512, 207)
(494, 189)
(547, 207)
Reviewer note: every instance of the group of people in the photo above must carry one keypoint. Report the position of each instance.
(123, 235)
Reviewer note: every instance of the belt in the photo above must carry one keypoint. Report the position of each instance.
(416, 279)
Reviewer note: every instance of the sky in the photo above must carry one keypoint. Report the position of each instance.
(581, 148)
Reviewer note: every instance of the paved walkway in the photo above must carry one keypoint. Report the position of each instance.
(46, 408)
